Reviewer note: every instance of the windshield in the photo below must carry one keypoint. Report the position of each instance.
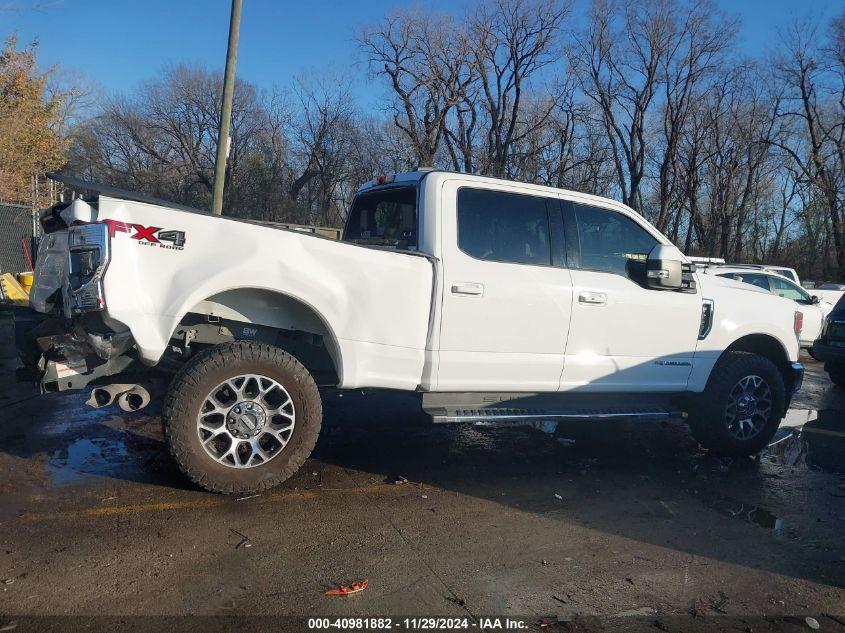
(386, 217)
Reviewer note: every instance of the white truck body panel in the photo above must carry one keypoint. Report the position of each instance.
(513, 333)
(374, 305)
(828, 296)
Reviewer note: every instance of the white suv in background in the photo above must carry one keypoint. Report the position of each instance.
(814, 309)
(783, 271)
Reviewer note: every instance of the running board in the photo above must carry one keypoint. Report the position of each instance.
(494, 409)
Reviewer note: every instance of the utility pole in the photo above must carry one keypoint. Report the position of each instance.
(226, 109)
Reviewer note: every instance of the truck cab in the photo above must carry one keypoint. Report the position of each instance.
(549, 290)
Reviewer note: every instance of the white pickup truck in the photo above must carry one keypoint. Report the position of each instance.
(495, 300)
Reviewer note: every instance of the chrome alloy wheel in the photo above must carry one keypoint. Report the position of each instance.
(246, 421)
(749, 407)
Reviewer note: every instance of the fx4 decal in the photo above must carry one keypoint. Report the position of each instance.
(148, 235)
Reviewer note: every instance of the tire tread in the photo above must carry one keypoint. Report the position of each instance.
(708, 410)
(190, 380)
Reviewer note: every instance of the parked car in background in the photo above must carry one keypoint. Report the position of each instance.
(783, 271)
(830, 292)
(826, 291)
(830, 346)
(815, 310)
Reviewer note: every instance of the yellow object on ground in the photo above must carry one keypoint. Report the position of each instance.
(26, 279)
(13, 291)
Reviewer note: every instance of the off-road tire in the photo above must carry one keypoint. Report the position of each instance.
(707, 414)
(208, 369)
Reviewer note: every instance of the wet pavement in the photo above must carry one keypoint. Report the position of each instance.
(596, 526)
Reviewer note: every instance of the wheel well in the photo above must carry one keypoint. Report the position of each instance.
(267, 316)
(768, 347)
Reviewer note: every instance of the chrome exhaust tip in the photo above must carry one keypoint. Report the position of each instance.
(134, 399)
(129, 397)
(100, 398)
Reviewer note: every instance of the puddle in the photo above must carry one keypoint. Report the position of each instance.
(101, 456)
(809, 438)
(85, 457)
(747, 512)
(789, 450)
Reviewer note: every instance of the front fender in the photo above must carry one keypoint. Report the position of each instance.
(738, 314)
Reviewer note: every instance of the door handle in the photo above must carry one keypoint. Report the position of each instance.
(467, 288)
(592, 298)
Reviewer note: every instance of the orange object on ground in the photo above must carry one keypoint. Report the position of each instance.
(343, 590)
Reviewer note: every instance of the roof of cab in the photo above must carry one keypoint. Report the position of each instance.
(417, 175)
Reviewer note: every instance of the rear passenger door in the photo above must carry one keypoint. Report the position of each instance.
(507, 295)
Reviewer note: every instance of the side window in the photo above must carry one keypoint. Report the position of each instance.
(761, 281)
(611, 242)
(503, 227)
(783, 288)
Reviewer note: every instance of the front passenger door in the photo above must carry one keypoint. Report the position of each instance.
(623, 336)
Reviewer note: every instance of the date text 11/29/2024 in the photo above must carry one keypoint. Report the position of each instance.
(419, 623)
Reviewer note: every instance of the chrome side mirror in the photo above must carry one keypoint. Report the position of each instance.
(664, 268)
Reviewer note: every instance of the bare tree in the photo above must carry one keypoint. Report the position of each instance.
(512, 41)
(695, 49)
(739, 120)
(618, 59)
(812, 107)
(425, 59)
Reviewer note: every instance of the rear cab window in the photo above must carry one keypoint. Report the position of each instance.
(786, 272)
(385, 217)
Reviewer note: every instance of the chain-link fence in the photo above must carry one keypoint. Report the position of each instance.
(15, 238)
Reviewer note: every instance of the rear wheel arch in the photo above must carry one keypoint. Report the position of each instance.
(293, 319)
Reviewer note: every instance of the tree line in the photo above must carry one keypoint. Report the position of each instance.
(648, 101)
